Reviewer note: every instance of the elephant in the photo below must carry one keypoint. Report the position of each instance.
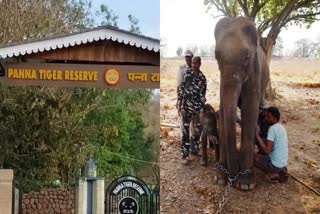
(244, 75)
(209, 133)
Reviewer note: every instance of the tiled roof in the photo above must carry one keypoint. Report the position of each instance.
(83, 37)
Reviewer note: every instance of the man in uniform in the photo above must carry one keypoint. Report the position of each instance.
(188, 57)
(191, 100)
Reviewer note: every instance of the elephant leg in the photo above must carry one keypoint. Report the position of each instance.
(220, 176)
(204, 157)
(249, 117)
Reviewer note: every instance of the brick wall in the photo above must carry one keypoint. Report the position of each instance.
(49, 201)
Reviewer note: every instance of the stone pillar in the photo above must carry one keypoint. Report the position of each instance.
(6, 181)
(81, 197)
(98, 195)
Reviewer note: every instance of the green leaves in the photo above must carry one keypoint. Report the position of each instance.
(47, 134)
(109, 17)
(134, 22)
(266, 14)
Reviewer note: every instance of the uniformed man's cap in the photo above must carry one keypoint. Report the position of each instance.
(188, 53)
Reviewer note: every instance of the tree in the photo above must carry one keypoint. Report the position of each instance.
(179, 51)
(211, 50)
(270, 16)
(204, 51)
(306, 48)
(134, 28)
(24, 20)
(47, 134)
(194, 50)
(109, 17)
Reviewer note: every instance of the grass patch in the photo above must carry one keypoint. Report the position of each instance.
(316, 128)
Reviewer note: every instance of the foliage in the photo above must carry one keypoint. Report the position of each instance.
(270, 16)
(24, 20)
(48, 133)
(134, 28)
(179, 51)
(109, 17)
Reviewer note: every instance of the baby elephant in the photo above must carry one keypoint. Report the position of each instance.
(209, 133)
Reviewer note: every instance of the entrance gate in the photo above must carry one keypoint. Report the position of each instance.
(128, 194)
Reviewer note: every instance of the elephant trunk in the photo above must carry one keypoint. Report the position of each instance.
(229, 97)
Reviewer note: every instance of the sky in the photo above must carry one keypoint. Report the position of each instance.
(186, 23)
(146, 11)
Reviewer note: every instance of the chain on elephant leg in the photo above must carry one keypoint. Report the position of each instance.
(224, 198)
(246, 180)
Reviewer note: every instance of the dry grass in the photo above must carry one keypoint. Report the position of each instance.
(299, 72)
(302, 72)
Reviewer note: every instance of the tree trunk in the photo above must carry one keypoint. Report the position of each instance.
(267, 44)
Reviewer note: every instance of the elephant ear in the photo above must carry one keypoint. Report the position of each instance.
(256, 61)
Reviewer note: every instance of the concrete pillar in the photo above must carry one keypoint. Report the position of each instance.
(98, 196)
(6, 181)
(81, 197)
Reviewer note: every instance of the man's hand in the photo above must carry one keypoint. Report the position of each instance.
(201, 116)
(257, 132)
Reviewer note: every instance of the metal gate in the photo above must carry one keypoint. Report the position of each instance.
(156, 200)
(128, 194)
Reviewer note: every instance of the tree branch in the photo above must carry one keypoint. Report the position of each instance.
(219, 7)
(299, 16)
(256, 8)
(264, 26)
(226, 6)
(244, 7)
(234, 8)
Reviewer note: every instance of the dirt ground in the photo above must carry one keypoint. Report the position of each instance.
(191, 189)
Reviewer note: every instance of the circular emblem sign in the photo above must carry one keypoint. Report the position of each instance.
(111, 76)
(128, 205)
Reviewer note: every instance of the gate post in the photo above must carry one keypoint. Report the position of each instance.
(81, 197)
(90, 192)
(6, 182)
(98, 196)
